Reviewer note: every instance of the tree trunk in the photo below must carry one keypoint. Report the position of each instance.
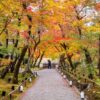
(27, 69)
(16, 71)
(35, 62)
(99, 57)
(62, 61)
(41, 57)
(88, 61)
(69, 57)
(79, 31)
(70, 62)
(88, 57)
(6, 42)
(5, 71)
(9, 67)
(13, 64)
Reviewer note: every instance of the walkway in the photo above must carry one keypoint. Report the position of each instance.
(50, 86)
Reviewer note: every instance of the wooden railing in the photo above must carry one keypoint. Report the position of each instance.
(80, 84)
(9, 96)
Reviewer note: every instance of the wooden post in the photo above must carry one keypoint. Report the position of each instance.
(3, 94)
(21, 88)
(85, 81)
(30, 79)
(10, 96)
(82, 95)
(13, 88)
(70, 83)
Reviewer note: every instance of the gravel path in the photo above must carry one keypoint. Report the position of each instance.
(51, 86)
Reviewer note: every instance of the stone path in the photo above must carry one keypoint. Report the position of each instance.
(51, 86)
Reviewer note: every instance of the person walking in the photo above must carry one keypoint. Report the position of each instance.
(49, 64)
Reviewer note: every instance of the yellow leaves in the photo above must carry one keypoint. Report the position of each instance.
(50, 15)
(9, 5)
(2, 37)
(77, 1)
(5, 61)
(51, 4)
(78, 23)
(74, 47)
(94, 28)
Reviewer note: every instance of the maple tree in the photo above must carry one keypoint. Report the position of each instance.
(60, 25)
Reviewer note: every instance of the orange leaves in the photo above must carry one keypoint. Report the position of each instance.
(76, 57)
(51, 52)
(49, 12)
(49, 21)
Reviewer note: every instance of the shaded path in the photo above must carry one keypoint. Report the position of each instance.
(50, 86)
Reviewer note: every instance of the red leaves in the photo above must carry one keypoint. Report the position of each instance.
(57, 39)
(29, 8)
(56, 0)
(44, 12)
(33, 8)
(97, 7)
(25, 35)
